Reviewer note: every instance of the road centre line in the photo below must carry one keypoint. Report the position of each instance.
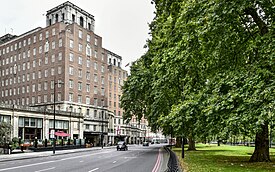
(47, 162)
(93, 170)
(46, 169)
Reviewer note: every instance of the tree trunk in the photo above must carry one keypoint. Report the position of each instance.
(261, 152)
(191, 144)
(178, 142)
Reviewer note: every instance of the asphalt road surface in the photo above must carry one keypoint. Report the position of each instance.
(136, 159)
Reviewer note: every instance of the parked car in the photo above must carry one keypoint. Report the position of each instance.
(122, 146)
(145, 143)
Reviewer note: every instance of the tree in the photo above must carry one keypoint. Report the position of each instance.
(209, 68)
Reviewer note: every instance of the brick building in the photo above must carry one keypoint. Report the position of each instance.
(62, 67)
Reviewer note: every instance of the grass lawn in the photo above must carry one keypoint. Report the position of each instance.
(223, 158)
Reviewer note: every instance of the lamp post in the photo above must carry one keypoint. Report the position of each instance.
(79, 120)
(70, 125)
(54, 138)
(102, 136)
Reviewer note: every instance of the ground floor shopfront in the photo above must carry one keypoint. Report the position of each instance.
(33, 123)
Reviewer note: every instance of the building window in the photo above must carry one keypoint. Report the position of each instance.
(47, 34)
(88, 87)
(34, 39)
(45, 85)
(71, 57)
(102, 91)
(60, 56)
(71, 43)
(80, 34)
(71, 83)
(102, 69)
(46, 73)
(39, 74)
(95, 54)
(88, 50)
(95, 78)
(88, 63)
(88, 38)
(95, 89)
(53, 45)
(46, 47)
(71, 97)
(95, 101)
(53, 58)
(80, 47)
(40, 49)
(33, 75)
(59, 68)
(60, 42)
(79, 73)
(40, 37)
(88, 75)
(33, 88)
(53, 31)
(71, 70)
(52, 71)
(88, 100)
(34, 52)
(46, 60)
(80, 60)
(79, 86)
(79, 99)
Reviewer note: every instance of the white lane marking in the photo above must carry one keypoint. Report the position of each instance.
(93, 170)
(80, 161)
(114, 162)
(46, 169)
(29, 165)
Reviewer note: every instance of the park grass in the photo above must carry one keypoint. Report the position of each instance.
(225, 158)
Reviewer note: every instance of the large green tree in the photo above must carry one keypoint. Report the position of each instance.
(209, 70)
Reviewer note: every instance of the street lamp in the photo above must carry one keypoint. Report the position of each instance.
(102, 136)
(80, 111)
(70, 125)
(54, 138)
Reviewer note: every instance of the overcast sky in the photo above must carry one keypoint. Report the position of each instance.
(122, 24)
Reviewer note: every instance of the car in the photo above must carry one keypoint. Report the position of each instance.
(122, 146)
(145, 144)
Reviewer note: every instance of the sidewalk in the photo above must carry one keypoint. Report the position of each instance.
(17, 155)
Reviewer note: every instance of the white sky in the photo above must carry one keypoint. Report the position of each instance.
(122, 24)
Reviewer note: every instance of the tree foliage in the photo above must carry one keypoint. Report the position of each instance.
(209, 69)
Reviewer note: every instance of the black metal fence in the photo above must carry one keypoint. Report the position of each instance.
(172, 162)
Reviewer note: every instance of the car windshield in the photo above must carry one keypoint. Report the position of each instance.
(120, 143)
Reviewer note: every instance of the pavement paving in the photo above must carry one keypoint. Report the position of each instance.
(27, 154)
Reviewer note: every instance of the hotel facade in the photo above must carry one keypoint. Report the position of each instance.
(63, 71)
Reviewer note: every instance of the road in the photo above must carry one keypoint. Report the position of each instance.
(136, 159)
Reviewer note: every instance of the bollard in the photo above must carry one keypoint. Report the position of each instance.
(35, 142)
(46, 143)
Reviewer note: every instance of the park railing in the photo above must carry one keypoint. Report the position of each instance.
(172, 165)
